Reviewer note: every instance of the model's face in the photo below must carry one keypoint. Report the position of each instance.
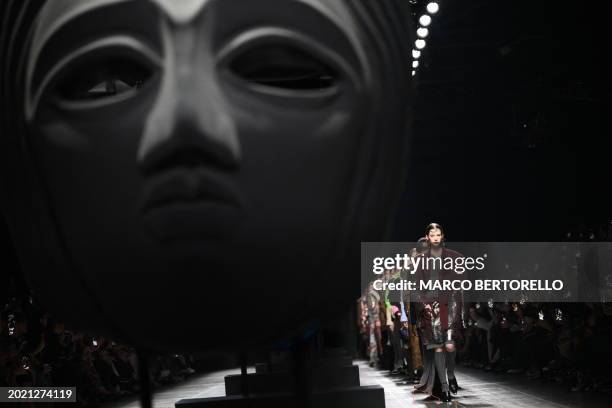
(435, 237)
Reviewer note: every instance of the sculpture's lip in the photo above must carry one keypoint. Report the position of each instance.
(191, 204)
(188, 186)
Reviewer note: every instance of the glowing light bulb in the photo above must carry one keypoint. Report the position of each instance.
(433, 7)
(425, 20)
(422, 32)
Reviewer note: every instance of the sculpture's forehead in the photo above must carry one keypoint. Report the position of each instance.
(57, 12)
(179, 11)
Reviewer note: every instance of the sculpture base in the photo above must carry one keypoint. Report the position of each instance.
(331, 361)
(354, 397)
(325, 377)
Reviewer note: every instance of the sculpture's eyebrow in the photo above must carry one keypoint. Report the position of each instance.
(337, 14)
(57, 14)
(54, 17)
(69, 29)
(66, 25)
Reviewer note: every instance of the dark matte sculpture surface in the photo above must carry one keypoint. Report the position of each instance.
(171, 168)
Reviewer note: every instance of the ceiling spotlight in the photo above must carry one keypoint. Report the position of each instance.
(415, 64)
(425, 20)
(420, 44)
(433, 7)
(422, 32)
(413, 72)
(416, 54)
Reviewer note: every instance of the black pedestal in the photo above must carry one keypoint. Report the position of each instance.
(353, 397)
(324, 377)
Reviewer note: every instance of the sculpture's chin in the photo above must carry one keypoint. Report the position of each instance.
(193, 221)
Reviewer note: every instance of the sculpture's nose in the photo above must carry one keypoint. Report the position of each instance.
(187, 145)
(189, 123)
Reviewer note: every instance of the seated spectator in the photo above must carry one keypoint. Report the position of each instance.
(109, 377)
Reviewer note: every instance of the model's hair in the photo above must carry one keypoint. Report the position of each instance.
(432, 226)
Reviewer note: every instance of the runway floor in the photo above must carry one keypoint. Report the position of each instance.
(479, 389)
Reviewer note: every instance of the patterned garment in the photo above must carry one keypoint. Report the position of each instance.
(440, 312)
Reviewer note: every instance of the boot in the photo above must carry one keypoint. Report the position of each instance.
(446, 397)
(452, 385)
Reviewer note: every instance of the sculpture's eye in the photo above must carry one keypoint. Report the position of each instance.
(284, 67)
(105, 78)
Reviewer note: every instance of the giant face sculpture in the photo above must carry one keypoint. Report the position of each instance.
(182, 163)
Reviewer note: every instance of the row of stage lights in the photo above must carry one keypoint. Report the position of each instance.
(422, 32)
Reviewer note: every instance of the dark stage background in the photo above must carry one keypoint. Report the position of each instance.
(511, 133)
